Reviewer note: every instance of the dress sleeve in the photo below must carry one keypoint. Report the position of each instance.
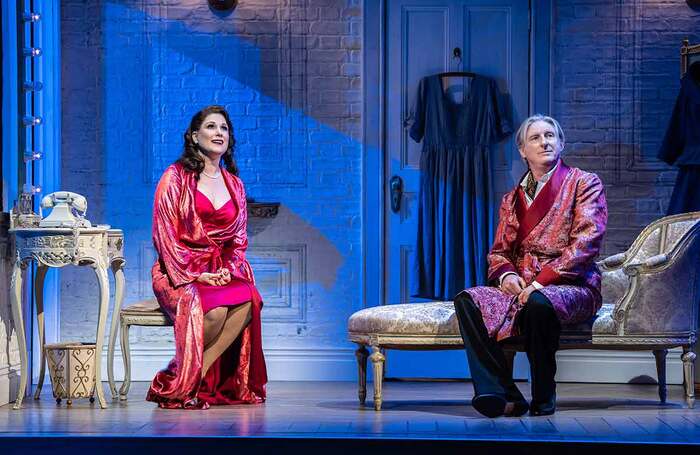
(497, 125)
(586, 236)
(182, 266)
(499, 258)
(416, 119)
(673, 143)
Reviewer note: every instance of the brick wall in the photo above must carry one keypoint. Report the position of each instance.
(9, 351)
(288, 72)
(616, 76)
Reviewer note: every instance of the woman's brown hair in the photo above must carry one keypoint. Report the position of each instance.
(191, 158)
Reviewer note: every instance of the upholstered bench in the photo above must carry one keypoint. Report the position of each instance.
(650, 302)
(430, 326)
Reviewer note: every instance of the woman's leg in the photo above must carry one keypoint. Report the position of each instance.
(236, 319)
(213, 322)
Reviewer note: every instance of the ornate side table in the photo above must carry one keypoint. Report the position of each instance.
(96, 247)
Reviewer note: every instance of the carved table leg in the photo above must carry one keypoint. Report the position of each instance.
(118, 271)
(377, 359)
(16, 300)
(101, 272)
(39, 300)
(660, 355)
(688, 358)
(361, 354)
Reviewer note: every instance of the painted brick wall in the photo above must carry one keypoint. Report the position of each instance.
(616, 77)
(9, 351)
(288, 72)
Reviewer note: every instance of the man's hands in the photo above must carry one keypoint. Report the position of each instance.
(523, 296)
(220, 278)
(514, 285)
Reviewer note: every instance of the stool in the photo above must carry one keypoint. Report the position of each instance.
(143, 313)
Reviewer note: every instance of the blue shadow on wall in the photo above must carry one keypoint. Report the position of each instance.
(157, 72)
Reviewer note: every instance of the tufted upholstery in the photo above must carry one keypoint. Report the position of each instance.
(432, 318)
(438, 318)
(650, 302)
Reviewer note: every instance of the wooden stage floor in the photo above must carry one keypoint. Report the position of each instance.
(413, 411)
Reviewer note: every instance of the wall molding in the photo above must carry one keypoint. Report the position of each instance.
(339, 364)
(9, 383)
(288, 364)
(628, 140)
(286, 299)
(615, 366)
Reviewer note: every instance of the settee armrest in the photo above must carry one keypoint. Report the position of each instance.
(647, 265)
(614, 261)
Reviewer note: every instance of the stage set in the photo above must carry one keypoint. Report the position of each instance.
(224, 194)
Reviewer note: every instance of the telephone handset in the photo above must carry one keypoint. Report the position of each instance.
(67, 210)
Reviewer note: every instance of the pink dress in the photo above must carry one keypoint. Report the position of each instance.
(186, 248)
(237, 291)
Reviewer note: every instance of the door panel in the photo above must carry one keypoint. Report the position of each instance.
(420, 37)
(491, 35)
(412, 53)
(417, 61)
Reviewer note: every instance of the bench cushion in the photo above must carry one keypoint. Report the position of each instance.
(430, 318)
(438, 318)
(143, 307)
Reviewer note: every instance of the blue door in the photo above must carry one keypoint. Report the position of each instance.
(421, 37)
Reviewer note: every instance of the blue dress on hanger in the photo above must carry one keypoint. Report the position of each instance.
(455, 214)
(681, 144)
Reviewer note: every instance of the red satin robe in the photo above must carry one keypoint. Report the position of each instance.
(185, 250)
(555, 242)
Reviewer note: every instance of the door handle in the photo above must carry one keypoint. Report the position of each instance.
(396, 187)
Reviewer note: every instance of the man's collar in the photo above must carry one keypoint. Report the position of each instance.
(544, 178)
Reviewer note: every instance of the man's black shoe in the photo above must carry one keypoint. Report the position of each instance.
(544, 409)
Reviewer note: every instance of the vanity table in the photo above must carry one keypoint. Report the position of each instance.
(98, 247)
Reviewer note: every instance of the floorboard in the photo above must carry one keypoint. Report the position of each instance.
(329, 411)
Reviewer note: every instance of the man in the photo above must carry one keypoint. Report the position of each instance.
(542, 272)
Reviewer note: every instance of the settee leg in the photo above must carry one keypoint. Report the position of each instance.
(688, 358)
(377, 359)
(660, 355)
(361, 354)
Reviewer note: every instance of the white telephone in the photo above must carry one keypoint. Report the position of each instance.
(67, 210)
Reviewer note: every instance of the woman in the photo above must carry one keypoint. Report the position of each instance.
(202, 279)
(543, 273)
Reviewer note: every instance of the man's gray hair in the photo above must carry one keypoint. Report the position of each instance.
(520, 136)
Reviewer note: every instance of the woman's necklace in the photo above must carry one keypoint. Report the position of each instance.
(211, 176)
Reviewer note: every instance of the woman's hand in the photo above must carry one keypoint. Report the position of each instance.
(523, 296)
(220, 278)
(512, 284)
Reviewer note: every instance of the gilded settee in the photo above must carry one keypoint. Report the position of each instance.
(650, 302)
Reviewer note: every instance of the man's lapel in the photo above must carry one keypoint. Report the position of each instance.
(529, 217)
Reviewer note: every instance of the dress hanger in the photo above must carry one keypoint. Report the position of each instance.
(457, 74)
(457, 53)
